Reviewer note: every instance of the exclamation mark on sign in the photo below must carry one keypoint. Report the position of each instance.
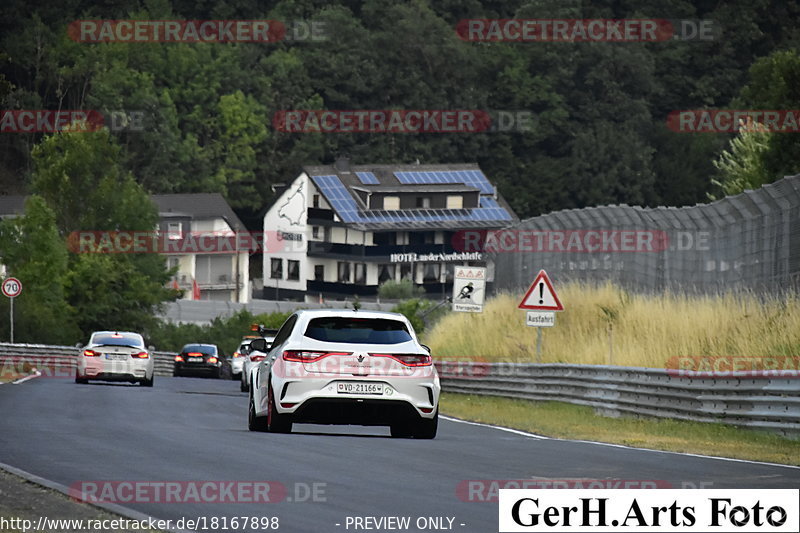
(541, 292)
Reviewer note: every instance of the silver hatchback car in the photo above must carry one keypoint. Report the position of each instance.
(346, 367)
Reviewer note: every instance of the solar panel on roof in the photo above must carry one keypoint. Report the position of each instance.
(368, 178)
(472, 178)
(348, 210)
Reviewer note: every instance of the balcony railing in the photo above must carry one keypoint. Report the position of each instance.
(316, 248)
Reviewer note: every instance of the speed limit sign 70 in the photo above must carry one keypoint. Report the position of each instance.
(12, 287)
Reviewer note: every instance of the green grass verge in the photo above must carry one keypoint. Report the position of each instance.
(561, 420)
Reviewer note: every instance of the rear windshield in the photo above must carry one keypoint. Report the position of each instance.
(358, 330)
(120, 339)
(206, 350)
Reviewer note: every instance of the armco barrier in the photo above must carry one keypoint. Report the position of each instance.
(64, 357)
(758, 400)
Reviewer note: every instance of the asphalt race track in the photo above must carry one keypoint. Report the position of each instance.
(195, 429)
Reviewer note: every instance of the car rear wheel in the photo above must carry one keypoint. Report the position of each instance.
(276, 422)
(234, 377)
(243, 386)
(425, 428)
(400, 430)
(147, 382)
(80, 380)
(255, 423)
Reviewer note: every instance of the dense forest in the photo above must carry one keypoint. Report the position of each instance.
(599, 109)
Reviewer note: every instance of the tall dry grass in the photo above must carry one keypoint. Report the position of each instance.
(646, 330)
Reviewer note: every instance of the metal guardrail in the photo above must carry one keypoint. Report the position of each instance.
(59, 361)
(763, 400)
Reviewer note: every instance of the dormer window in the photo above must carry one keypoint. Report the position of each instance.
(391, 203)
(174, 230)
(455, 201)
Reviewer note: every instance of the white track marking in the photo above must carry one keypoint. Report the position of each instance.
(622, 446)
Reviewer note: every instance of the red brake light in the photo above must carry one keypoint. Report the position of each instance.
(236, 354)
(195, 354)
(407, 359)
(90, 353)
(141, 355)
(212, 360)
(257, 358)
(300, 356)
(178, 358)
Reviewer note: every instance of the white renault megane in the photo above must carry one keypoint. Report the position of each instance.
(345, 367)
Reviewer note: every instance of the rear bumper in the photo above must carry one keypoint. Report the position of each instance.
(354, 411)
(107, 376)
(317, 400)
(196, 369)
(97, 368)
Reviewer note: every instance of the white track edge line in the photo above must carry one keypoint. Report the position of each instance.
(612, 445)
(35, 374)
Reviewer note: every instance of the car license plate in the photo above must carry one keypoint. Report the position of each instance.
(195, 359)
(359, 388)
(116, 356)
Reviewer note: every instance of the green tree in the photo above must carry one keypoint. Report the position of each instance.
(774, 84)
(34, 252)
(742, 167)
(80, 178)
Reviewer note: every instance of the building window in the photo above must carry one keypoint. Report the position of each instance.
(174, 230)
(360, 273)
(315, 201)
(385, 272)
(407, 271)
(172, 262)
(319, 272)
(385, 239)
(315, 232)
(276, 268)
(423, 202)
(431, 273)
(343, 272)
(455, 201)
(391, 203)
(293, 270)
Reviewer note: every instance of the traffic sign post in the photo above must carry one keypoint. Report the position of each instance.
(469, 289)
(11, 288)
(541, 302)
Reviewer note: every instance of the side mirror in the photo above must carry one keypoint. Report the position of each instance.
(259, 345)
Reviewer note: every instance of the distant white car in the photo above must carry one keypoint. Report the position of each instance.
(346, 367)
(115, 356)
(237, 359)
(251, 360)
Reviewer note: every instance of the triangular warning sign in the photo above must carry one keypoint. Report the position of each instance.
(541, 295)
